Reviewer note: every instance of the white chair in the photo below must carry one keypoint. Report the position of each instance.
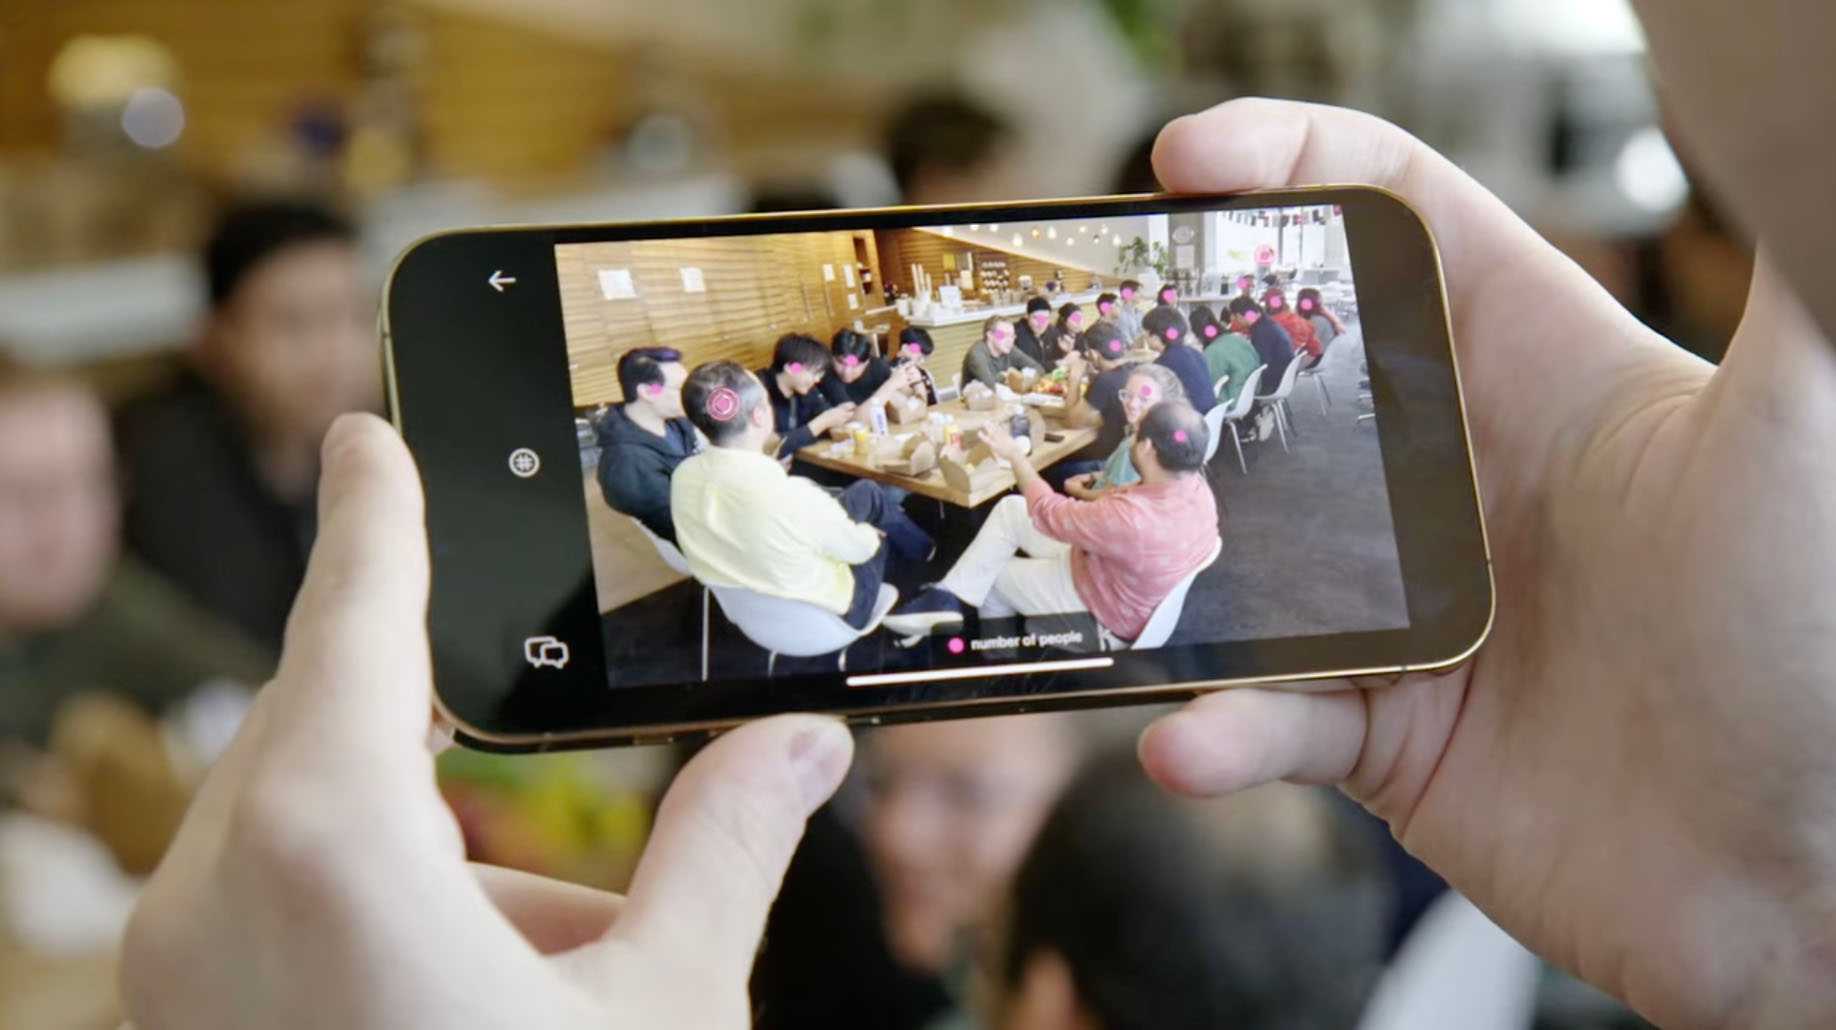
(1165, 619)
(1313, 372)
(797, 628)
(672, 556)
(1214, 425)
(1214, 420)
(1245, 398)
(1278, 400)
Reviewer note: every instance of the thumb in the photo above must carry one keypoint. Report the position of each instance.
(724, 835)
(355, 667)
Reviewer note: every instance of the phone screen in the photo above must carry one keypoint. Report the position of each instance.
(929, 460)
(822, 503)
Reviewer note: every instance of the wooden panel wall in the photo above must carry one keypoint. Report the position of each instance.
(244, 66)
(758, 288)
(900, 248)
(501, 98)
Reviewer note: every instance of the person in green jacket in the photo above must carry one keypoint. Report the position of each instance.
(1226, 353)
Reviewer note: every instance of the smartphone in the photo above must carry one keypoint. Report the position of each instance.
(618, 558)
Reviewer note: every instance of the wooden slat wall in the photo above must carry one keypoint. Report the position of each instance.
(758, 288)
(244, 66)
(501, 99)
(900, 248)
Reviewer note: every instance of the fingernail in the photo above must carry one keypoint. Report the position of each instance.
(819, 756)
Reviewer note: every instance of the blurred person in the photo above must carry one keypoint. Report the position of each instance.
(1246, 286)
(1106, 306)
(1116, 556)
(1135, 173)
(989, 360)
(75, 615)
(1682, 866)
(1299, 330)
(950, 808)
(1166, 296)
(220, 468)
(1181, 353)
(642, 440)
(915, 349)
(1226, 354)
(1128, 311)
(1147, 386)
(742, 520)
(1060, 340)
(943, 149)
(859, 376)
(800, 411)
(1312, 307)
(1029, 329)
(1136, 911)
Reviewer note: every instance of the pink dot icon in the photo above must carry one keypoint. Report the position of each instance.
(956, 645)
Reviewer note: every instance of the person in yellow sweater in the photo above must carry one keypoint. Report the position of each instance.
(742, 520)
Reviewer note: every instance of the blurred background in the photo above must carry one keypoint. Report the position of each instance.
(199, 200)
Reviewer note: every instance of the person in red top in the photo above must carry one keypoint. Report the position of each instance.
(1116, 557)
(1305, 339)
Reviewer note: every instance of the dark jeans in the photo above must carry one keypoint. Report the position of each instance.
(878, 505)
(1070, 468)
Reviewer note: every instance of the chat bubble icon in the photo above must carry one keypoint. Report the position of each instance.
(545, 650)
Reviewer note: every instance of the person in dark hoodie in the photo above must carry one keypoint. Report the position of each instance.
(1028, 330)
(1272, 342)
(800, 412)
(643, 440)
(1180, 354)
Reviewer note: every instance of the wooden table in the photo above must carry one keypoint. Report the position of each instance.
(932, 484)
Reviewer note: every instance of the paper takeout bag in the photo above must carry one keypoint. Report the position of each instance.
(977, 397)
(970, 472)
(915, 457)
(906, 409)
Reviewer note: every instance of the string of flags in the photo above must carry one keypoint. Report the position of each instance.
(1283, 219)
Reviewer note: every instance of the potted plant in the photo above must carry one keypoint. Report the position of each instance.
(1137, 256)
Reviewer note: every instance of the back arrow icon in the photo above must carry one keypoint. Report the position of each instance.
(499, 280)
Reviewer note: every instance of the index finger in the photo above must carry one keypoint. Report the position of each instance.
(1267, 144)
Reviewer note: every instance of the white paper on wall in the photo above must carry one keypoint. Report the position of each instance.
(615, 284)
(828, 273)
(853, 302)
(848, 275)
(692, 281)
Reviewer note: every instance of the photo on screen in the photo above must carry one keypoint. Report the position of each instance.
(792, 445)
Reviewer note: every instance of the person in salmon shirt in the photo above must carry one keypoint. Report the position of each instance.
(1305, 339)
(1116, 557)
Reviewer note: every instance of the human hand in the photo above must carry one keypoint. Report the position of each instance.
(1082, 486)
(1000, 441)
(1634, 775)
(1075, 368)
(829, 419)
(320, 880)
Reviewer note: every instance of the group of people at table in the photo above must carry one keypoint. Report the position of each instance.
(704, 459)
